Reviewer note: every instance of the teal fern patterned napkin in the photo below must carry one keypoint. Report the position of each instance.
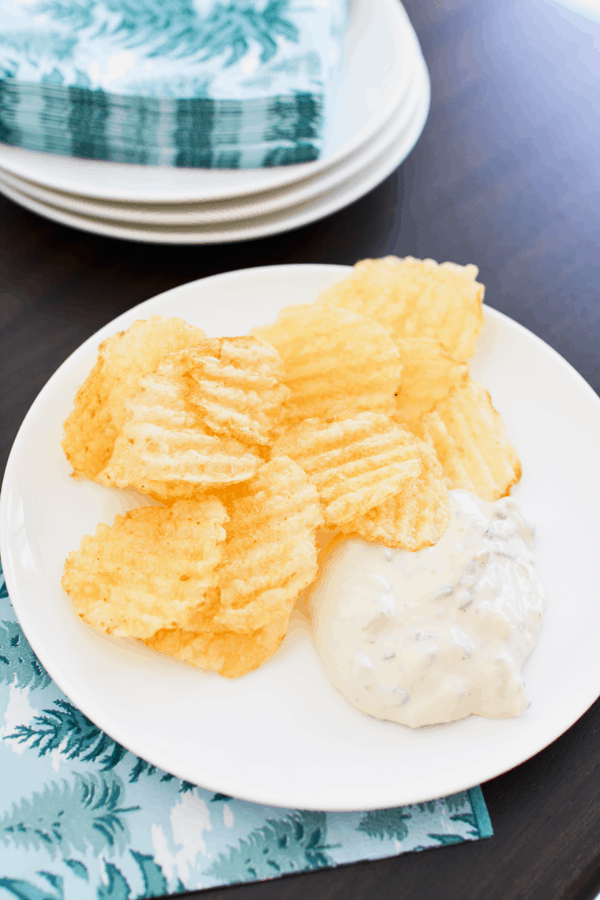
(81, 818)
(211, 83)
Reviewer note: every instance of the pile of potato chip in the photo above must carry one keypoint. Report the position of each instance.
(355, 413)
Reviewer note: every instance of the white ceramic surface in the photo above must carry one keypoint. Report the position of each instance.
(318, 207)
(230, 211)
(373, 79)
(282, 735)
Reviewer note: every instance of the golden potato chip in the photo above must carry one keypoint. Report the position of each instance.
(416, 517)
(335, 360)
(471, 443)
(428, 374)
(99, 408)
(416, 298)
(356, 463)
(194, 421)
(271, 553)
(271, 557)
(228, 653)
(236, 384)
(152, 569)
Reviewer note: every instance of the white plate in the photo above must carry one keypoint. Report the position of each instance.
(222, 211)
(282, 735)
(399, 146)
(373, 79)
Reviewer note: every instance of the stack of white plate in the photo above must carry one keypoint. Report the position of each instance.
(380, 104)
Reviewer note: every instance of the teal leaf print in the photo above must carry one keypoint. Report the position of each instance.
(456, 801)
(3, 588)
(185, 787)
(70, 816)
(78, 868)
(77, 14)
(155, 883)
(429, 806)
(34, 45)
(117, 887)
(216, 798)
(18, 663)
(65, 728)
(293, 844)
(24, 890)
(175, 28)
(55, 880)
(385, 823)
(470, 819)
(447, 839)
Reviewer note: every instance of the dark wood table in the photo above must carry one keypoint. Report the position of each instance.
(506, 175)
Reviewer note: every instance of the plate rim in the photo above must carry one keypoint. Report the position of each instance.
(239, 208)
(581, 703)
(201, 234)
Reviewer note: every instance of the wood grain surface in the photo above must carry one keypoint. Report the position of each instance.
(506, 175)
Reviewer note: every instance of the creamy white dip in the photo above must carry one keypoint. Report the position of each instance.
(432, 636)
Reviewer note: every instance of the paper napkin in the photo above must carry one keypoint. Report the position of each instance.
(81, 818)
(210, 83)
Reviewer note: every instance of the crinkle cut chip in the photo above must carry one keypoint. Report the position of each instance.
(356, 462)
(99, 407)
(428, 374)
(271, 557)
(153, 568)
(414, 518)
(416, 298)
(236, 384)
(229, 653)
(200, 420)
(335, 361)
(271, 553)
(471, 443)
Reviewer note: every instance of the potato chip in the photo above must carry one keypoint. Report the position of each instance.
(428, 375)
(99, 408)
(356, 463)
(152, 569)
(271, 557)
(271, 553)
(228, 653)
(416, 298)
(236, 383)
(416, 517)
(196, 420)
(471, 443)
(335, 360)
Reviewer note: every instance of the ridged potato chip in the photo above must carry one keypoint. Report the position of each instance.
(356, 463)
(416, 517)
(99, 407)
(428, 375)
(197, 420)
(271, 557)
(335, 360)
(228, 653)
(471, 443)
(236, 384)
(271, 553)
(416, 298)
(151, 569)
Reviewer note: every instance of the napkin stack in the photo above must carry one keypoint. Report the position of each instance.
(196, 83)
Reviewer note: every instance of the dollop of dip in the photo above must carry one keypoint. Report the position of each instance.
(435, 635)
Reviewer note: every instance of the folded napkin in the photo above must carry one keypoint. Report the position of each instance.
(210, 83)
(81, 818)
